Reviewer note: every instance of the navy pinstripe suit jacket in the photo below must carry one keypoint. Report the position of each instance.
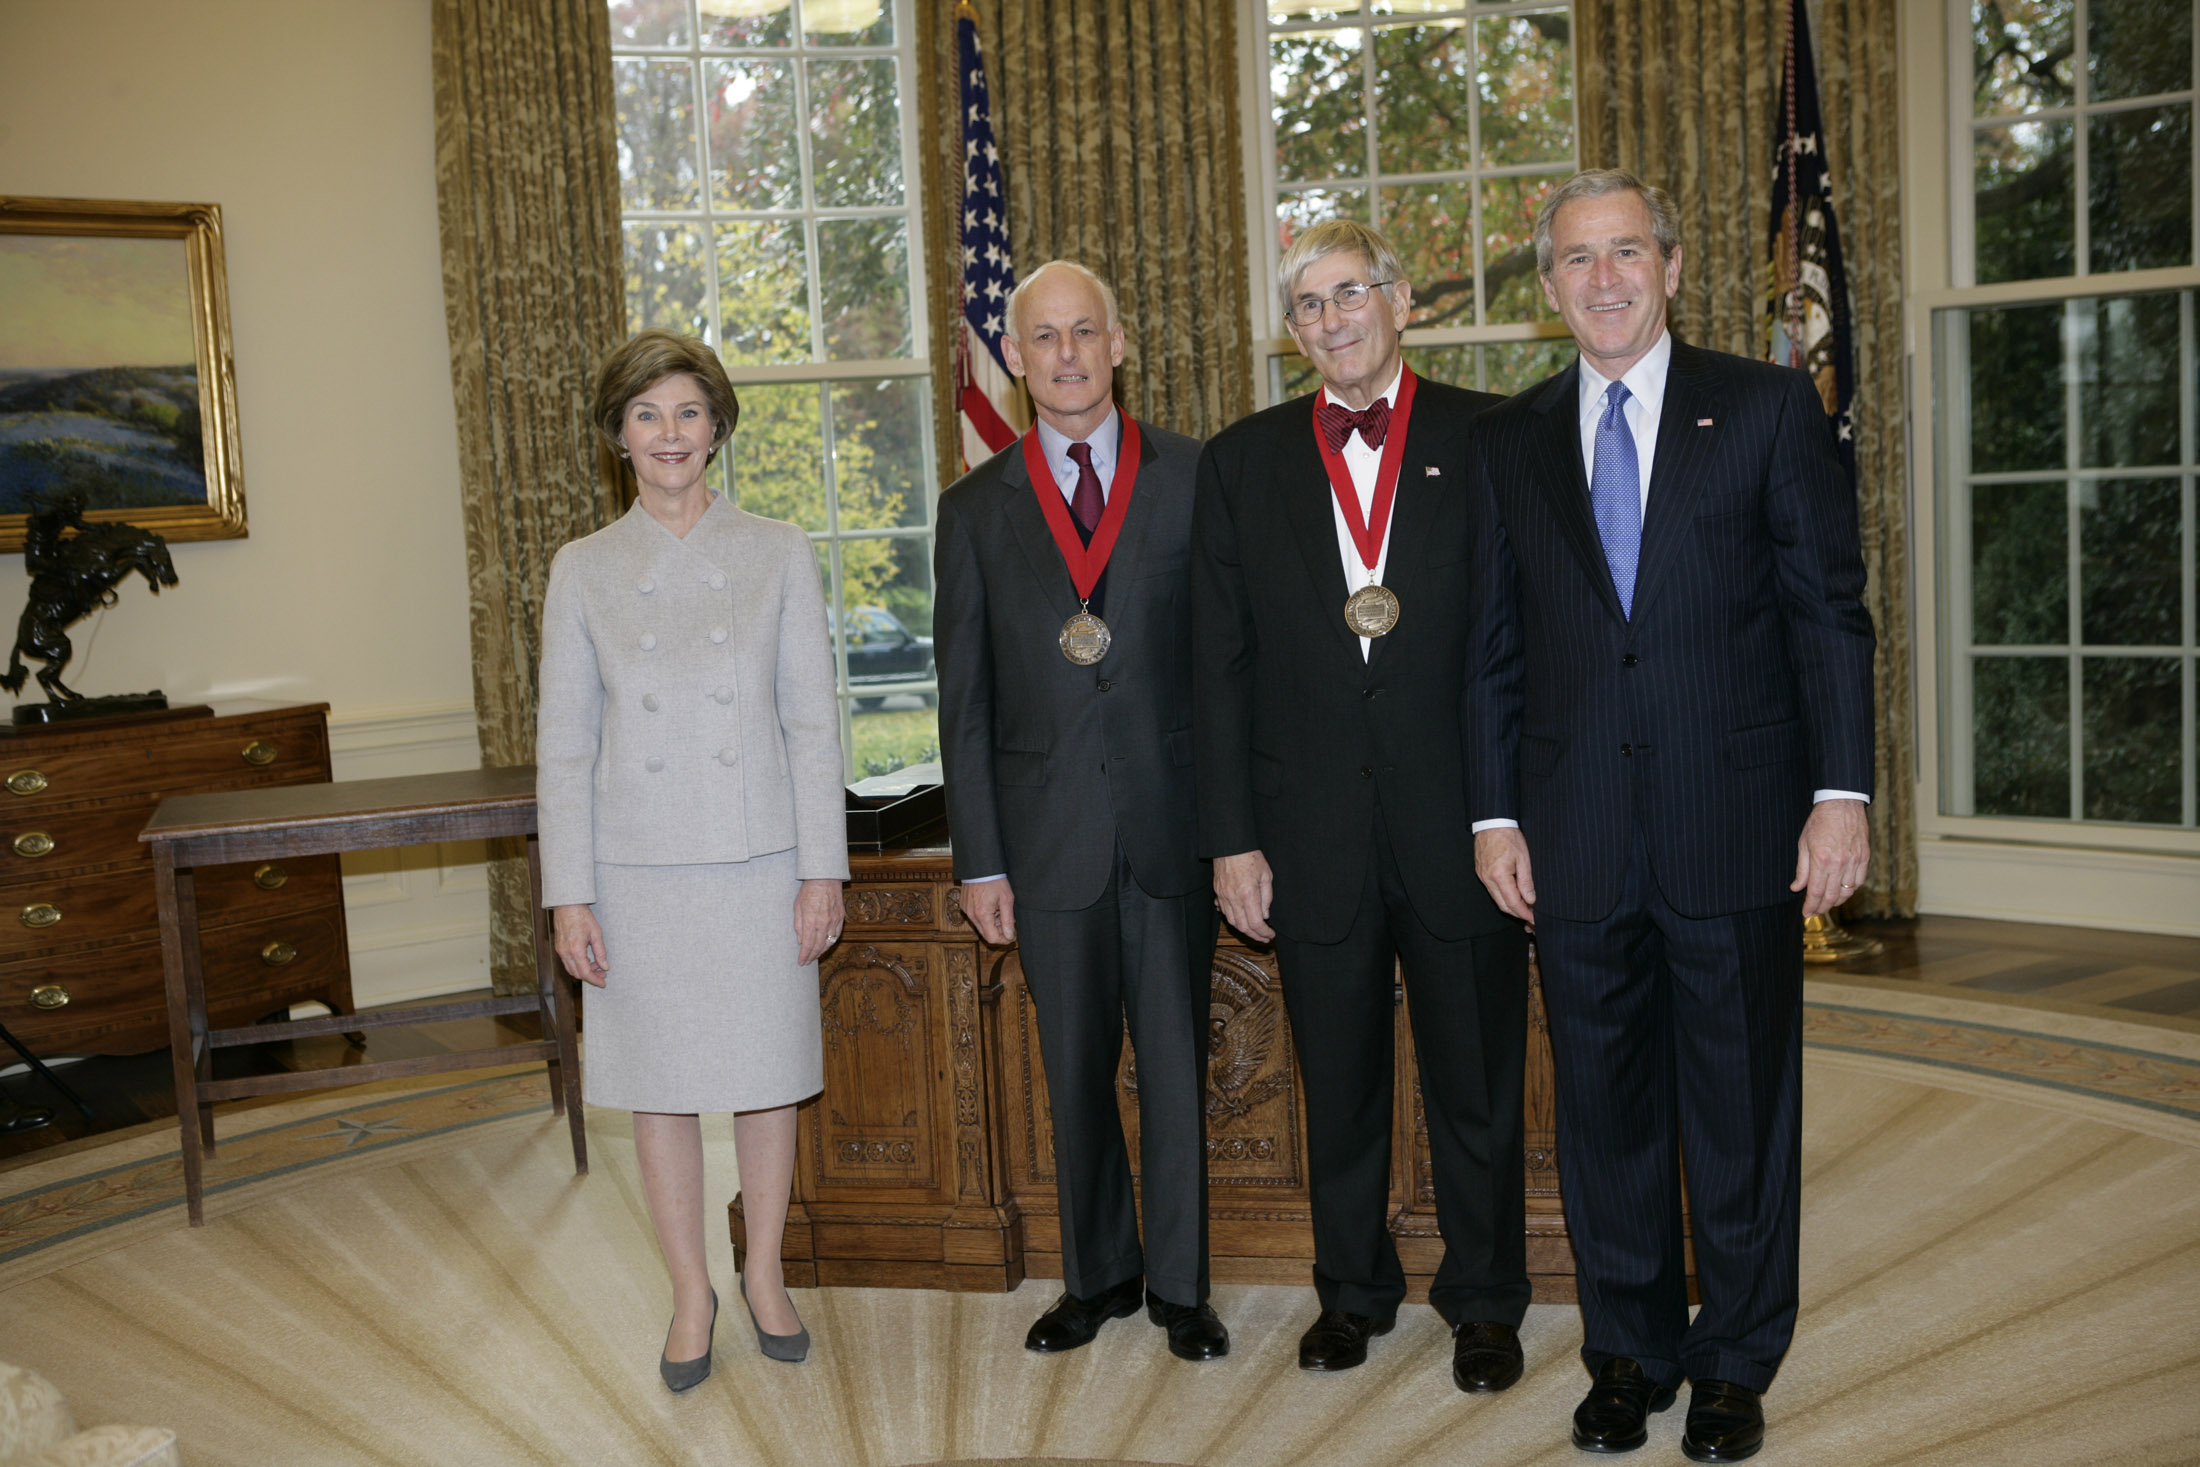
(1742, 682)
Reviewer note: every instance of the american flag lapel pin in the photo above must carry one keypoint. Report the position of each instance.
(1703, 422)
(1432, 471)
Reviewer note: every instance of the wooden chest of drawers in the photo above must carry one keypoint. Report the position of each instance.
(80, 968)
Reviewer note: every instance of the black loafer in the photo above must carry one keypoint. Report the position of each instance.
(1613, 1417)
(1338, 1341)
(1074, 1321)
(1726, 1422)
(1195, 1332)
(1485, 1355)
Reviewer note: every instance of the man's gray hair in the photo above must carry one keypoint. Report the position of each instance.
(1334, 237)
(1596, 183)
(1107, 291)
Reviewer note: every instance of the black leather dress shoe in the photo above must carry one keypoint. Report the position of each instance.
(1195, 1332)
(1485, 1355)
(1613, 1416)
(1338, 1341)
(1726, 1422)
(1074, 1321)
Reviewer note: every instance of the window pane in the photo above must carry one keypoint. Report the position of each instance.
(847, 22)
(880, 432)
(667, 279)
(1280, 11)
(2140, 188)
(1319, 106)
(2024, 198)
(1516, 366)
(747, 22)
(2020, 565)
(886, 586)
(2129, 535)
(2016, 389)
(2134, 732)
(1526, 81)
(2127, 389)
(1295, 376)
(2137, 48)
(763, 292)
(779, 452)
(649, 22)
(755, 162)
(1424, 84)
(863, 270)
(1511, 290)
(1453, 364)
(1433, 226)
(855, 133)
(2021, 736)
(1310, 206)
(657, 150)
(2021, 55)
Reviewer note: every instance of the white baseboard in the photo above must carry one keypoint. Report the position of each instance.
(2125, 890)
(418, 917)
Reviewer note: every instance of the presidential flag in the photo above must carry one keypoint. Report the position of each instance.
(1807, 293)
(989, 400)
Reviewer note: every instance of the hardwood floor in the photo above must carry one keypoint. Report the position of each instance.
(2132, 976)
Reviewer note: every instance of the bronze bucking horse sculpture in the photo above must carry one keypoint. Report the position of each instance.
(71, 576)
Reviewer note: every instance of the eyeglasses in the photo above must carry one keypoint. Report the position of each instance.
(1306, 310)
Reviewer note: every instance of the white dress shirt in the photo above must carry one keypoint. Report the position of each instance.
(1645, 403)
(1364, 464)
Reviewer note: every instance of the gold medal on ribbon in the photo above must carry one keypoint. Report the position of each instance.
(1084, 639)
(1372, 610)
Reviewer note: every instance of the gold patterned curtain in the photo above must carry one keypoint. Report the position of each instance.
(1118, 126)
(1681, 93)
(527, 179)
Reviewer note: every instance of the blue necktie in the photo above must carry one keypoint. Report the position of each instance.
(1615, 494)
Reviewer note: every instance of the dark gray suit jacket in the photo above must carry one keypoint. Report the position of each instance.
(1050, 765)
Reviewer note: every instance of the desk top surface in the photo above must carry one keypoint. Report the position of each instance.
(307, 806)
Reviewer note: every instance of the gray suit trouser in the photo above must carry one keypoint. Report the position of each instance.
(1145, 959)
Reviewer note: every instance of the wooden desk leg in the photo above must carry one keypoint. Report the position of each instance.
(185, 1030)
(556, 998)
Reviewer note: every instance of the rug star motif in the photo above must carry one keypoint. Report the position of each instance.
(355, 1132)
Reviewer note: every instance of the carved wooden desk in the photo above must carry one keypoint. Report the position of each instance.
(323, 819)
(928, 1161)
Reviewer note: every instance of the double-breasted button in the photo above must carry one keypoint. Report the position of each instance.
(649, 641)
(718, 634)
(723, 695)
(649, 701)
(729, 755)
(645, 585)
(653, 764)
(718, 581)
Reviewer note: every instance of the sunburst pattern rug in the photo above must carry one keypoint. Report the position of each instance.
(2001, 1262)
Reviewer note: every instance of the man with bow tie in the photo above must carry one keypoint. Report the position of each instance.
(1331, 606)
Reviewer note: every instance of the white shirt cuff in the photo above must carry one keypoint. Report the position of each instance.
(975, 880)
(1821, 796)
(1481, 825)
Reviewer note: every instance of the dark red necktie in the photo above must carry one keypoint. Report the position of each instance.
(1339, 421)
(1085, 504)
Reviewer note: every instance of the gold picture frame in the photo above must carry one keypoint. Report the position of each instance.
(121, 432)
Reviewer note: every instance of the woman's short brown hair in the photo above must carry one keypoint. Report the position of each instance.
(645, 359)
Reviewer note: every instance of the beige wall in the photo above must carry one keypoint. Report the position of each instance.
(310, 123)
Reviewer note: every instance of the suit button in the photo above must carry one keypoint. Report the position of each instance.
(1627, 749)
(1367, 772)
(653, 764)
(649, 701)
(1103, 685)
(645, 585)
(729, 755)
(723, 695)
(1369, 692)
(649, 642)
(1629, 660)
(718, 581)
(718, 634)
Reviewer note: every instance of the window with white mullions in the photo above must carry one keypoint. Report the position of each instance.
(1445, 126)
(766, 162)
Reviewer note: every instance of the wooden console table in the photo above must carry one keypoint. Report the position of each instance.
(191, 831)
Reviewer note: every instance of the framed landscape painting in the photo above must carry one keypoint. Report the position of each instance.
(115, 377)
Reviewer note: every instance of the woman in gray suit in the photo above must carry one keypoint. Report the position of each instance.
(689, 786)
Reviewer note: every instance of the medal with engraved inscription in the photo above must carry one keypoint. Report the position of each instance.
(1085, 638)
(1372, 611)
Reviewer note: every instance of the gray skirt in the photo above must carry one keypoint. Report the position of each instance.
(705, 1007)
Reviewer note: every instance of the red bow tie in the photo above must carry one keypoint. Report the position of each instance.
(1338, 423)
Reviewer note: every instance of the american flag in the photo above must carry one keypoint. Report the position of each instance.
(1807, 296)
(989, 400)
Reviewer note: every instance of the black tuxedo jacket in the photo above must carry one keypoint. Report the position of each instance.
(1049, 765)
(1742, 682)
(1296, 734)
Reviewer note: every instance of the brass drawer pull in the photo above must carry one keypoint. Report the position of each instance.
(275, 954)
(34, 843)
(259, 751)
(49, 996)
(26, 782)
(40, 914)
(269, 877)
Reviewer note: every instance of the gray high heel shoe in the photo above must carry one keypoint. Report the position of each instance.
(793, 1349)
(686, 1375)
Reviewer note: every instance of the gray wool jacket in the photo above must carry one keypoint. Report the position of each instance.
(687, 710)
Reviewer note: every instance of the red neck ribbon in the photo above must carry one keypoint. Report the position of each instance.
(1367, 534)
(1086, 562)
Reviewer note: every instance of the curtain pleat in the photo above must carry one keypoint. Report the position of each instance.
(527, 183)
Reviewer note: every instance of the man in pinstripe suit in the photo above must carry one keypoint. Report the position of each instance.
(1675, 717)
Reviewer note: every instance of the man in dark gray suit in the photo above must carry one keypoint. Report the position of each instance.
(1062, 624)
